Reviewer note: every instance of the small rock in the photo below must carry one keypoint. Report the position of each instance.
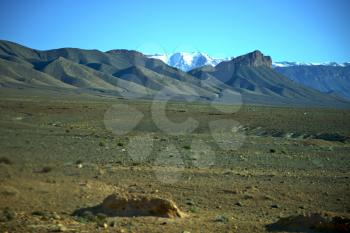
(56, 216)
(101, 216)
(113, 224)
(59, 228)
(189, 202)
(239, 204)
(103, 225)
(275, 206)
(40, 213)
(88, 215)
(221, 218)
(155, 191)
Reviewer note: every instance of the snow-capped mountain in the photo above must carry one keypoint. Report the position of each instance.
(188, 61)
(328, 77)
(289, 64)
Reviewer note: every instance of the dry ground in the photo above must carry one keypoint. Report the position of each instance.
(272, 175)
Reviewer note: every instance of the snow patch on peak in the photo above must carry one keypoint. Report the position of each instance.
(188, 60)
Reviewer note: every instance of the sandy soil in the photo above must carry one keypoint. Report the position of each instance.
(58, 157)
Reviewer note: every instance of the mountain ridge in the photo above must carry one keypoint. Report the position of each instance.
(327, 77)
(132, 74)
(189, 65)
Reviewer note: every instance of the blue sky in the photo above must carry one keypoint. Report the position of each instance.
(298, 30)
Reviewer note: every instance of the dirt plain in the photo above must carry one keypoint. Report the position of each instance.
(57, 157)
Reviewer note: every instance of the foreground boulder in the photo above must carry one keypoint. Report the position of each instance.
(132, 205)
(140, 205)
(315, 222)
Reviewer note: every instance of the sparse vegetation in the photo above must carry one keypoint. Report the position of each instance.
(5, 160)
(46, 169)
(8, 190)
(102, 144)
(88, 216)
(40, 213)
(193, 209)
(7, 215)
(79, 161)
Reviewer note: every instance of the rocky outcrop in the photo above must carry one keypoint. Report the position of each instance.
(253, 59)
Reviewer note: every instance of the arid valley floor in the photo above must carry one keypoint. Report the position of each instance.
(58, 157)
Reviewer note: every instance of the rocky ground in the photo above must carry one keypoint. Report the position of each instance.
(57, 158)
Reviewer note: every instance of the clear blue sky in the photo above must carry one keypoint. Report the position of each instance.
(298, 30)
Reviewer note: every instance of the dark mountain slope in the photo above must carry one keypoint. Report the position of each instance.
(76, 75)
(329, 79)
(109, 62)
(84, 77)
(79, 56)
(158, 82)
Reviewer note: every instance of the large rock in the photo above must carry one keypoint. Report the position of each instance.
(121, 204)
(316, 222)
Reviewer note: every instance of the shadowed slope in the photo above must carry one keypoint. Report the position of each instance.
(13, 74)
(329, 79)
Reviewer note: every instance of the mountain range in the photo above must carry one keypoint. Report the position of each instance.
(328, 77)
(247, 79)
